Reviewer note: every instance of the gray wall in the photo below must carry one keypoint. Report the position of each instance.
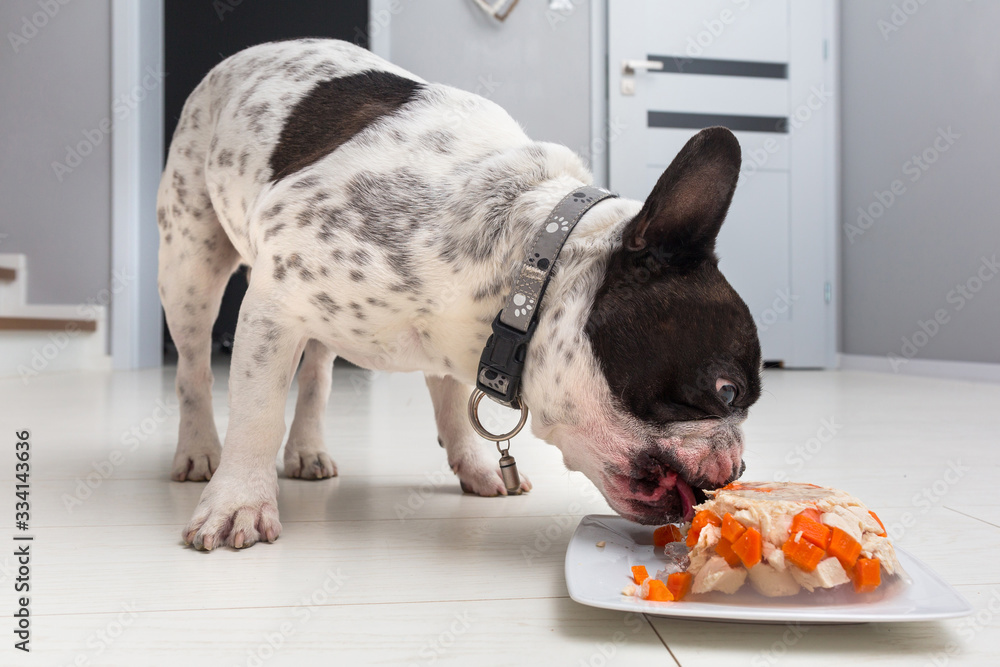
(540, 59)
(939, 70)
(53, 89)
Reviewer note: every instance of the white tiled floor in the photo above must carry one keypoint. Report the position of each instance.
(391, 564)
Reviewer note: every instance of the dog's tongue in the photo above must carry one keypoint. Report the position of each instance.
(687, 498)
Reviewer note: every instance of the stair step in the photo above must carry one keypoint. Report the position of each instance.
(7, 274)
(46, 324)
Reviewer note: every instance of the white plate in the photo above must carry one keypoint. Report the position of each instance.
(595, 577)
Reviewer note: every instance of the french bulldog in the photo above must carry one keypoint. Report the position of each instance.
(384, 220)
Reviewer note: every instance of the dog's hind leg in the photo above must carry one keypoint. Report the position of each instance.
(196, 260)
(306, 456)
(473, 459)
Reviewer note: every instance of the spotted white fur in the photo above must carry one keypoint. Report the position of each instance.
(387, 252)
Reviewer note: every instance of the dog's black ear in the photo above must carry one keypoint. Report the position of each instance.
(686, 208)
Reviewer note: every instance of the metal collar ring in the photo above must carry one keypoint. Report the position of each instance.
(474, 401)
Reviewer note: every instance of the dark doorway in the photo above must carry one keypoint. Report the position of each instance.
(198, 35)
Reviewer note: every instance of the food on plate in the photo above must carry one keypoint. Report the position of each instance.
(679, 584)
(664, 535)
(781, 537)
(640, 574)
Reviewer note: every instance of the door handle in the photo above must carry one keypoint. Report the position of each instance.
(630, 66)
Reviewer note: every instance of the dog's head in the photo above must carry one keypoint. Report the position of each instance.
(643, 378)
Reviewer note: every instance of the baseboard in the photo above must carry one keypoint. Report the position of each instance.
(955, 370)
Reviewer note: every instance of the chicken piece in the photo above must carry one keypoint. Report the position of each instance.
(705, 547)
(878, 547)
(716, 575)
(708, 537)
(868, 522)
(774, 556)
(834, 520)
(846, 520)
(771, 582)
(828, 573)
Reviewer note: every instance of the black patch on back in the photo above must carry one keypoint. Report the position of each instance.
(333, 112)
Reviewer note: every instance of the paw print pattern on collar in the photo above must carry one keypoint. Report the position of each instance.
(530, 284)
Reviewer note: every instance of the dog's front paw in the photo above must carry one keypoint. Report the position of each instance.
(196, 459)
(235, 511)
(486, 481)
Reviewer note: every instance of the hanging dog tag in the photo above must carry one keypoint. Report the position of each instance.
(508, 470)
(508, 466)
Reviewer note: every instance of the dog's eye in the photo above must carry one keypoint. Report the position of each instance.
(727, 393)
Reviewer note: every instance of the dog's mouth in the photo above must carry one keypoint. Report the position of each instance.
(653, 496)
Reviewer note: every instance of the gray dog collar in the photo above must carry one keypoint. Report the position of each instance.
(502, 361)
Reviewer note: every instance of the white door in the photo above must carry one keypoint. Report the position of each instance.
(762, 68)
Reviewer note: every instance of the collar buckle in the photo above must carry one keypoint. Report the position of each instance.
(502, 362)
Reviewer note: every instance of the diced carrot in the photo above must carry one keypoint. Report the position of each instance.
(748, 547)
(679, 584)
(657, 591)
(812, 530)
(664, 535)
(804, 554)
(700, 520)
(882, 525)
(844, 547)
(867, 575)
(639, 573)
(731, 528)
(725, 549)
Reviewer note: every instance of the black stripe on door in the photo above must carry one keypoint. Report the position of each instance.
(679, 65)
(697, 121)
